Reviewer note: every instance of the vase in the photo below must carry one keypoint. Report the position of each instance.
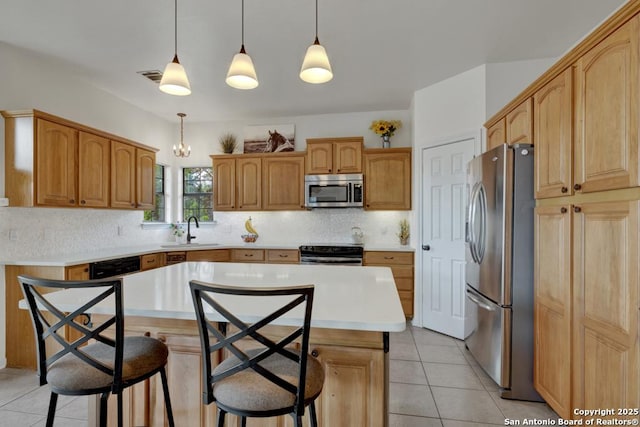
(404, 241)
(386, 142)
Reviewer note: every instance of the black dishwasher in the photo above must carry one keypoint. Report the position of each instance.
(114, 267)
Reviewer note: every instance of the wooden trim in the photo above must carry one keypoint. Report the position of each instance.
(338, 139)
(387, 150)
(259, 155)
(624, 194)
(615, 21)
(59, 120)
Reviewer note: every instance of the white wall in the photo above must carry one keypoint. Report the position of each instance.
(506, 80)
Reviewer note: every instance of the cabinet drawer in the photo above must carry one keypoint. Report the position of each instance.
(150, 261)
(283, 256)
(212, 255)
(247, 255)
(404, 284)
(379, 257)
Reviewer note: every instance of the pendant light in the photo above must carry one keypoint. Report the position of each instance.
(316, 67)
(182, 150)
(174, 79)
(242, 74)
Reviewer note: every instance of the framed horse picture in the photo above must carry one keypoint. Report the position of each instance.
(269, 138)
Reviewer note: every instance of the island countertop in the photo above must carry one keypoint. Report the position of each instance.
(346, 297)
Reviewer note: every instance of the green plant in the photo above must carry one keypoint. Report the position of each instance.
(404, 230)
(228, 143)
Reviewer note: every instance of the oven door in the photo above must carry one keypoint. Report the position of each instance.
(328, 260)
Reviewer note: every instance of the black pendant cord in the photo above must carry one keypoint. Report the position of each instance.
(242, 24)
(175, 27)
(316, 19)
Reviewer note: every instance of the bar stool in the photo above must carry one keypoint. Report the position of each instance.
(272, 380)
(101, 367)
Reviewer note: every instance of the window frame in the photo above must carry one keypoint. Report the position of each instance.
(155, 196)
(185, 195)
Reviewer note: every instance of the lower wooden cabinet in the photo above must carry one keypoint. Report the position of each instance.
(401, 264)
(211, 255)
(151, 261)
(586, 305)
(283, 256)
(247, 255)
(353, 392)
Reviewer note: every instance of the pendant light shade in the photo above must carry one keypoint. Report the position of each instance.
(242, 73)
(315, 66)
(174, 79)
(182, 150)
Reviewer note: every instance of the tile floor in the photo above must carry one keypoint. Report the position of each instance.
(434, 382)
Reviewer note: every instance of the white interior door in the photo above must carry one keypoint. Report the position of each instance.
(444, 197)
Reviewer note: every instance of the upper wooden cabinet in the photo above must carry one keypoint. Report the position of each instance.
(552, 118)
(519, 124)
(497, 134)
(132, 173)
(259, 182)
(123, 176)
(387, 176)
(334, 155)
(283, 182)
(237, 182)
(51, 161)
(56, 149)
(94, 154)
(606, 102)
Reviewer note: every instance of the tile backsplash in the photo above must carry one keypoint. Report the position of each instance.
(36, 232)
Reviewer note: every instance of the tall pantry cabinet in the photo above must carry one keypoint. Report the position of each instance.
(586, 229)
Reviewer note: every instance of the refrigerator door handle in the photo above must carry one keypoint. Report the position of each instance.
(473, 297)
(473, 206)
(481, 245)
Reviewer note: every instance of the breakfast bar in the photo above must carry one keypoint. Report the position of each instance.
(354, 310)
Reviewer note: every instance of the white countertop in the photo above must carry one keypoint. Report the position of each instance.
(346, 297)
(65, 260)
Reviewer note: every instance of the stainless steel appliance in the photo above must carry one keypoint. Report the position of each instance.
(499, 268)
(339, 254)
(333, 191)
(114, 267)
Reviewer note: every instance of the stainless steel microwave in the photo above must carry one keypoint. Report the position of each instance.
(333, 191)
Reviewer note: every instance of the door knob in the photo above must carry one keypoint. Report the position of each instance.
(426, 247)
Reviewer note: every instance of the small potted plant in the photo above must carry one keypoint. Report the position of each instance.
(177, 230)
(385, 129)
(403, 235)
(228, 143)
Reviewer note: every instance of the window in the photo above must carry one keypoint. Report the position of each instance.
(197, 193)
(159, 213)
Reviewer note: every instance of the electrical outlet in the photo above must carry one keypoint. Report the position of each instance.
(121, 230)
(13, 235)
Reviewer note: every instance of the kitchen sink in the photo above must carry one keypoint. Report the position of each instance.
(187, 245)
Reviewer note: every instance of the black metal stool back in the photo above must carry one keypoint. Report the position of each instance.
(52, 324)
(215, 325)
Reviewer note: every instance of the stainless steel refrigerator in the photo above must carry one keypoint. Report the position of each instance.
(499, 267)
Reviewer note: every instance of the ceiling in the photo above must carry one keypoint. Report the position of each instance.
(381, 51)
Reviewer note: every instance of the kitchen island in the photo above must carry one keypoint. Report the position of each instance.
(354, 310)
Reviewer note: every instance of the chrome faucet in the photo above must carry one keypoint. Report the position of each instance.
(189, 236)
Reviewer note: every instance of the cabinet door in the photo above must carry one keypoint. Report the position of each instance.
(94, 154)
(552, 106)
(247, 255)
(387, 179)
(224, 194)
(248, 180)
(347, 157)
(552, 307)
(353, 391)
(283, 183)
(605, 261)
(123, 175)
(77, 272)
(606, 145)
(319, 157)
(496, 134)
(211, 255)
(55, 159)
(185, 384)
(145, 179)
(520, 124)
(283, 256)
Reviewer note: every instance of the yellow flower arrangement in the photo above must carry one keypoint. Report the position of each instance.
(385, 127)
